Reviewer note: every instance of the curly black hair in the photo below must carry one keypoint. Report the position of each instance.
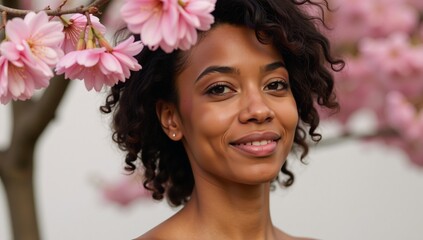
(282, 23)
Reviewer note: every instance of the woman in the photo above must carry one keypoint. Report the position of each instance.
(213, 125)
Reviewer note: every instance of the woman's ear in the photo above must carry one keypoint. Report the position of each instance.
(169, 119)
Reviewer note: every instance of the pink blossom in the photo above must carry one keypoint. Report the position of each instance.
(403, 116)
(402, 18)
(399, 64)
(124, 51)
(155, 20)
(125, 191)
(352, 14)
(195, 14)
(31, 49)
(76, 24)
(355, 19)
(19, 82)
(408, 123)
(37, 39)
(98, 67)
(418, 4)
(168, 24)
(414, 151)
(385, 74)
(3, 76)
(356, 89)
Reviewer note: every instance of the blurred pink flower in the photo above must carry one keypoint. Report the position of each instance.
(355, 19)
(98, 67)
(414, 151)
(403, 117)
(125, 191)
(382, 44)
(402, 17)
(168, 24)
(399, 63)
(352, 14)
(356, 89)
(76, 24)
(418, 4)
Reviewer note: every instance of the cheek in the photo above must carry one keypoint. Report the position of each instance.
(289, 116)
(207, 120)
(185, 106)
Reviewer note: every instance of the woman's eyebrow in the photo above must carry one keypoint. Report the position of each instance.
(217, 69)
(273, 66)
(231, 70)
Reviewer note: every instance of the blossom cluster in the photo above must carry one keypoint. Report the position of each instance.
(382, 44)
(38, 47)
(26, 58)
(168, 24)
(125, 190)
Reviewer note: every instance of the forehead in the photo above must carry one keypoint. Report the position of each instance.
(230, 45)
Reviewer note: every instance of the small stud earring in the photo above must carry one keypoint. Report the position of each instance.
(174, 135)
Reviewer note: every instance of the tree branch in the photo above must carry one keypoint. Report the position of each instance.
(32, 117)
(49, 102)
(11, 3)
(2, 157)
(91, 8)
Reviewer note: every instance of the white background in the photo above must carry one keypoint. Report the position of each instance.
(348, 191)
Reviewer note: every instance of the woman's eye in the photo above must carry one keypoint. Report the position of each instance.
(218, 89)
(277, 85)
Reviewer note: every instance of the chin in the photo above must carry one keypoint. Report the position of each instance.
(260, 176)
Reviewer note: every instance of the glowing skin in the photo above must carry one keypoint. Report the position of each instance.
(237, 114)
(236, 118)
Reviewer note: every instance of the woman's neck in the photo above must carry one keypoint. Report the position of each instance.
(230, 211)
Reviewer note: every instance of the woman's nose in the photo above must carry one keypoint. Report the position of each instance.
(255, 108)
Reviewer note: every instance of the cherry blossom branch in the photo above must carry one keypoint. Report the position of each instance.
(3, 20)
(91, 8)
(62, 4)
(11, 3)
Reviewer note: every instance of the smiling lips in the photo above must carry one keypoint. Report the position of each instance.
(257, 144)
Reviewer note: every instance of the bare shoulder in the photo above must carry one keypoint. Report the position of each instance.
(169, 229)
(284, 236)
(160, 232)
(153, 234)
(299, 238)
(288, 237)
(148, 237)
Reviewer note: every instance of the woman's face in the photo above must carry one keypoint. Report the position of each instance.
(237, 115)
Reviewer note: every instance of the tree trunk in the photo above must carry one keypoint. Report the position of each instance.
(19, 189)
(30, 119)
